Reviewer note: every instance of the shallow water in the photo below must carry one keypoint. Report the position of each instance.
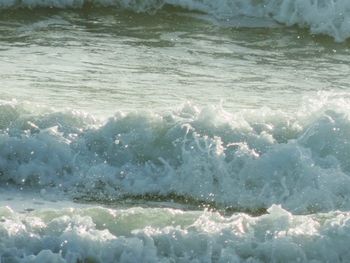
(174, 131)
(103, 60)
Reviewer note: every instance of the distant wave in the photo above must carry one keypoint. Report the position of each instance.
(246, 161)
(320, 16)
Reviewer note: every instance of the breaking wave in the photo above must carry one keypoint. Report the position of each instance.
(166, 235)
(320, 16)
(248, 160)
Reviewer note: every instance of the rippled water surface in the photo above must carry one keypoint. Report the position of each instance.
(101, 60)
(174, 131)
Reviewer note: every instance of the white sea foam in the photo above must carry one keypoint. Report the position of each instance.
(166, 235)
(321, 16)
(330, 17)
(247, 160)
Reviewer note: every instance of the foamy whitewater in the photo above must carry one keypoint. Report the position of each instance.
(174, 131)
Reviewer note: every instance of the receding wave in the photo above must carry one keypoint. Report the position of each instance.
(247, 160)
(321, 16)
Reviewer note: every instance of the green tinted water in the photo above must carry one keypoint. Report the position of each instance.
(104, 60)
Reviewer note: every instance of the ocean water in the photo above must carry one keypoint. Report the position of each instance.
(174, 131)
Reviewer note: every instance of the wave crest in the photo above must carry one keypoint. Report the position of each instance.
(245, 161)
(320, 16)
